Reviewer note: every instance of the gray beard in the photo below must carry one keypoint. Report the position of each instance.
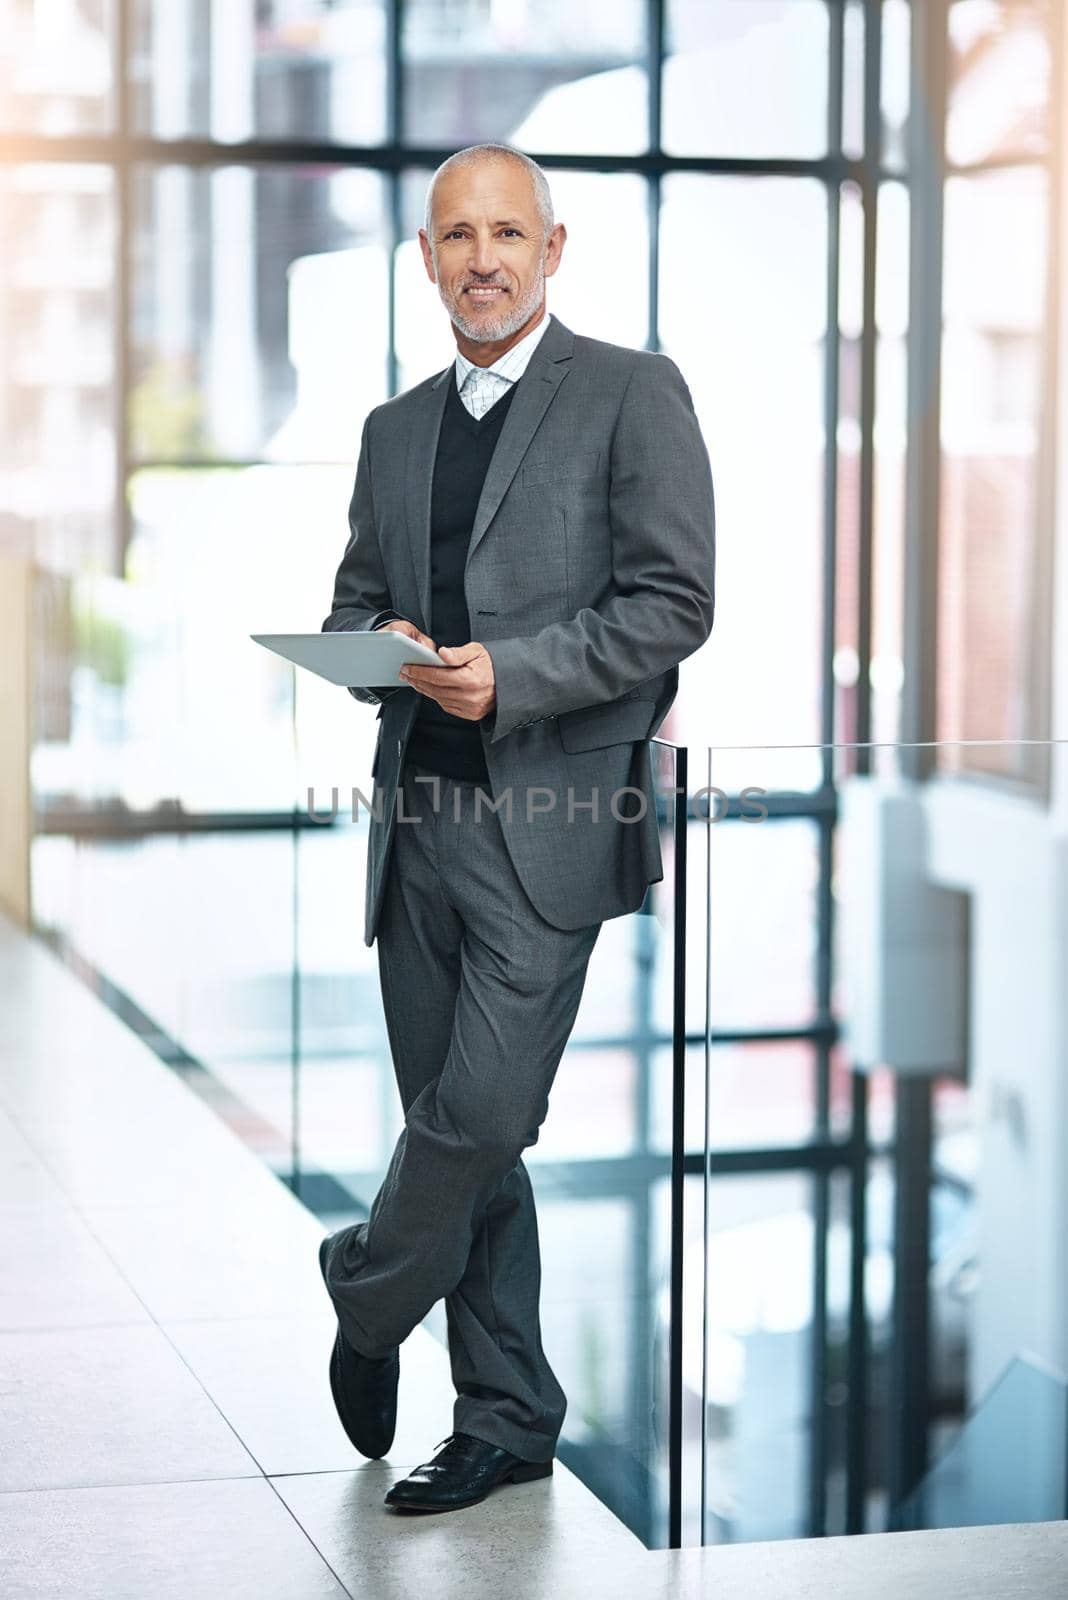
(487, 330)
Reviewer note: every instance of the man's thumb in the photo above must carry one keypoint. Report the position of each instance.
(454, 655)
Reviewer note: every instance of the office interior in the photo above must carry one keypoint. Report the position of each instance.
(803, 1184)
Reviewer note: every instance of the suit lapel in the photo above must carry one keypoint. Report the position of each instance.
(545, 372)
(428, 410)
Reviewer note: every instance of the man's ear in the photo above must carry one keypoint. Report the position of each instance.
(428, 259)
(554, 247)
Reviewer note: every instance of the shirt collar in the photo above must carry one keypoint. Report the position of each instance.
(513, 363)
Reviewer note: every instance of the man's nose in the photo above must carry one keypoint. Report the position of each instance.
(483, 259)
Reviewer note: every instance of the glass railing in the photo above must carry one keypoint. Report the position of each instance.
(800, 1186)
(1008, 1463)
(882, 1180)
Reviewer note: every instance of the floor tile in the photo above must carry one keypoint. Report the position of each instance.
(217, 1256)
(996, 1563)
(269, 1378)
(222, 1540)
(528, 1541)
(122, 1155)
(107, 1406)
(12, 1142)
(26, 1183)
(57, 1275)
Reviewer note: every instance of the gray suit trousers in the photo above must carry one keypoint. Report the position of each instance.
(480, 995)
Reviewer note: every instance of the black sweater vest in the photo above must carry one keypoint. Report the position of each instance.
(440, 741)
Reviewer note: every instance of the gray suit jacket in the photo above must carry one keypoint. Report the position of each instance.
(589, 577)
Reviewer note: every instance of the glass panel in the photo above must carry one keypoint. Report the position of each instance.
(838, 1398)
(100, 899)
(1010, 1463)
(847, 569)
(108, 720)
(350, 1114)
(150, 675)
(949, 931)
(697, 879)
(424, 336)
(762, 1094)
(999, 79)
(232, 925)
(57, 313)
(260, 312)
(764, 1097)
(746, 78)
(750, 345)
(764, 877)
(266, 577)
(57, 66)
(759, 1093)
(191, 936)
(896, 24)
(270, 69)
(891, 315)
(954, 1246)
(836, 1394)
(759, 1265)
(890, 439)
(945, 928)
(853, 34)
(880, 1197)
(545, 75)
(599, 299)
(992, 373)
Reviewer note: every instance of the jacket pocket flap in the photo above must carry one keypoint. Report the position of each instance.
(616, 722)
(556, 468)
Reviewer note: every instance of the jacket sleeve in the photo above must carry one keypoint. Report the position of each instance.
(662, 516)
(361, 594)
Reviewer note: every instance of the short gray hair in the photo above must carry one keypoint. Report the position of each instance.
(472, 155)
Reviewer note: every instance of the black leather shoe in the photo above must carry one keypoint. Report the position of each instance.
(365, 1393)
(461, 1474)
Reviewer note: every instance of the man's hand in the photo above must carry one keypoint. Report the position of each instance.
(409, 629)
(465, 686)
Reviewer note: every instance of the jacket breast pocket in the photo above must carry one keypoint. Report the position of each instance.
(559, 467)
(617, 722)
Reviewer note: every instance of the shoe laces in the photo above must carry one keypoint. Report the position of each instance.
(453, 1441)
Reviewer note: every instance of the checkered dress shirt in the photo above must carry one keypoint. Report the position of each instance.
(481, 387)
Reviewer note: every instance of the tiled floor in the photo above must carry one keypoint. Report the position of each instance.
(167, 1431)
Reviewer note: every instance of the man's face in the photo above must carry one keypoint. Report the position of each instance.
(486, 252)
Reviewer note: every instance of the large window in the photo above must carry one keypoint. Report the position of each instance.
(997, 377)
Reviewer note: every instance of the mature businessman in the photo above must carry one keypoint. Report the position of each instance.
(541, 511)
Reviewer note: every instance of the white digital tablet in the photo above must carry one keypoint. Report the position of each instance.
(357, 660)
